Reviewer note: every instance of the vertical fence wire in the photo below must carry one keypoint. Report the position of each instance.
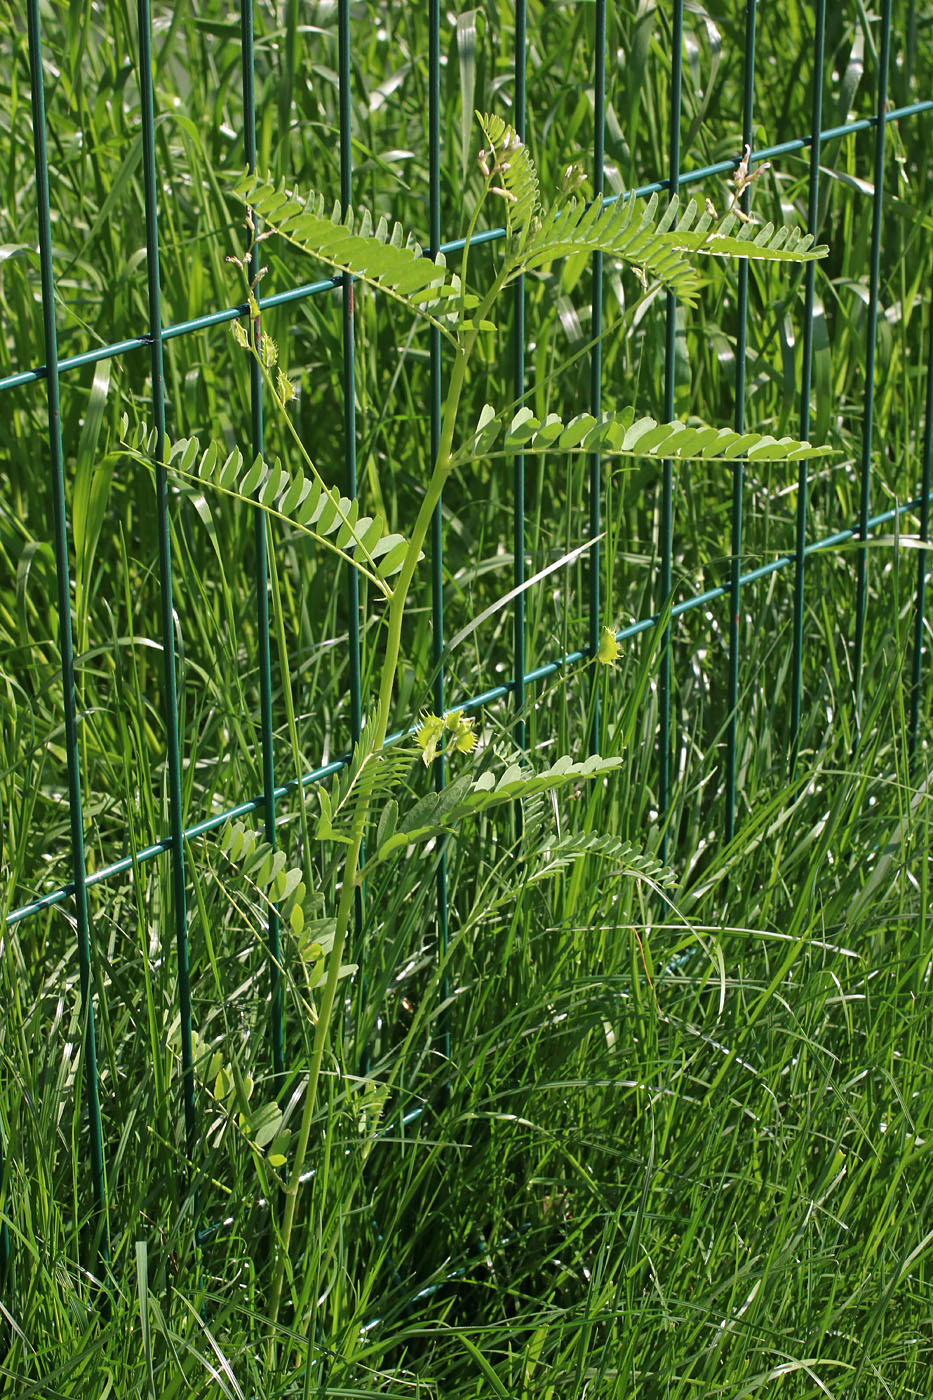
(800, 533)
(596, 367)
(257, 439)
(63, 580)
(349, 432)
(666, 528)
(349, 363)
(738, 466)
(166, 608)
(437, 519)
(518, 466)
(919, 622)
(861, 585)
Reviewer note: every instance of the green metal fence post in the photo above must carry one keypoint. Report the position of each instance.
(596, 368)
(349, 362)
(166, 608)
(861, 587)
(518, 465)
(63, 580)
(349, 437)
(738, 466)
(437, 520)
(257, 435)
(800, 535)
(666, 532)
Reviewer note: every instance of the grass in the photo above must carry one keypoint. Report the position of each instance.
(683, 1149)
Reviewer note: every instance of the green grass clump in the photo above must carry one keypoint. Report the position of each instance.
(680, 1147)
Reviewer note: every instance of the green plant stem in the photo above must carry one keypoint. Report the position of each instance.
(465, 261)
(278, 614)
(394, 620)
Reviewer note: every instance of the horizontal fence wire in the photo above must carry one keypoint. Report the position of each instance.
(454, 245)
(474, 702)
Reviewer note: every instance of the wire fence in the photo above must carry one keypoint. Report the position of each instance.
(53, 374)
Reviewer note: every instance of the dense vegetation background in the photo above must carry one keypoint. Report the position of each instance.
(684, 1152)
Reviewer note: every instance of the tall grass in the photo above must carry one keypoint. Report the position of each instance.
(684, 1147)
